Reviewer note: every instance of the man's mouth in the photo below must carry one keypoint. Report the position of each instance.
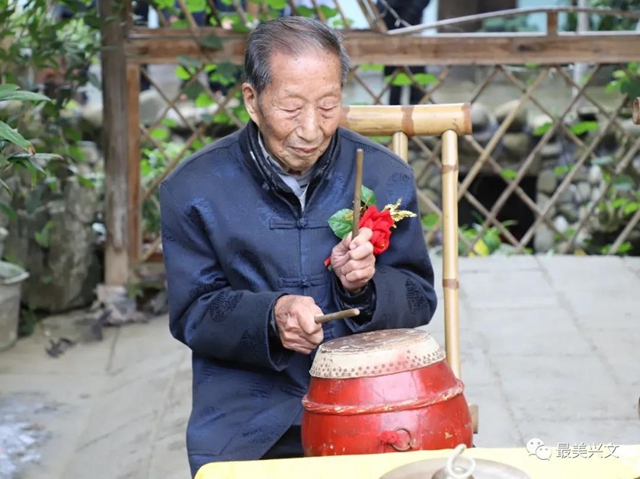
(305, 151)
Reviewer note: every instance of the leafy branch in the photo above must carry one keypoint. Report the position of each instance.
(15, 149)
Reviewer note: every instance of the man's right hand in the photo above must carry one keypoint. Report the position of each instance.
(296, 326)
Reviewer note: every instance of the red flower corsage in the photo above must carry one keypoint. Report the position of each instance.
(379, 222)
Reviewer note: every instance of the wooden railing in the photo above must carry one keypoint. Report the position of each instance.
(510, 145)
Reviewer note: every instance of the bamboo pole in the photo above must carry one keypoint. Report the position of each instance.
(357, 193)
(412, 120)
(450, 281)
(400, 144)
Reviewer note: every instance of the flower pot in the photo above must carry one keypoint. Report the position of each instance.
(11, 279)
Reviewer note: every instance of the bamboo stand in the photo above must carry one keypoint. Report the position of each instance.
(636, 120)
(448, 121)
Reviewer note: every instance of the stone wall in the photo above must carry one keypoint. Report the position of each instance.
(56, 237)
(549, 167)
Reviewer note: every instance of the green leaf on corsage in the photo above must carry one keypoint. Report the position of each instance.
(368, 197)
(341, 223)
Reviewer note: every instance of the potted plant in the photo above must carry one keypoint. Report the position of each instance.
(15, 151)
(11, 278)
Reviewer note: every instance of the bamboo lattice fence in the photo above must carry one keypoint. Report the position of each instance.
(561, 152)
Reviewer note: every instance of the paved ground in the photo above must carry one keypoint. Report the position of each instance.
(550, 350)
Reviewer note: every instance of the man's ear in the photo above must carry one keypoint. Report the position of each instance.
(251, 102)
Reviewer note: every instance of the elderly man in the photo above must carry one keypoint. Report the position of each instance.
(246, 236)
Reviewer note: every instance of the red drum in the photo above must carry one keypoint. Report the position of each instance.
(383, 391)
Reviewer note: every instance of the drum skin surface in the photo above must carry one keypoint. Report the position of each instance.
(383, 391)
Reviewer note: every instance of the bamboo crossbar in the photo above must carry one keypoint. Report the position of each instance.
(448, 121)
(412, 120)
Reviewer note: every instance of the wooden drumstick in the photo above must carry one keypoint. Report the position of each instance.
(357, 198)
(347, 313)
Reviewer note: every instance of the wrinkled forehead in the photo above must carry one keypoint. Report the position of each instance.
(311, 69)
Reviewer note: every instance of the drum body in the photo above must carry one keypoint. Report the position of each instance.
(383, 391)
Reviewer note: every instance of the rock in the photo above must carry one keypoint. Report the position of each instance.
(54, 241)
(566, 197)
(561, 224)
(543, 239)
(92, 154)
(583, 211)
(425, 207)
(588, 113)
(581, 174)
(595, 194)
(152, 105)
(92, 115)
(418, 167)
(569, 211)
(12, 107)
(538, 121)
(542, 201)
(483, 136)
(186, 116)
(608, 141)
(582, 237)
(481, 117)
(583, 192)
(630, 127)
(434, 196)
(434, 181)
(547, 182)
(551, 151)
(516, 145)
(115, 305)
(569, 195)
(503, 111)
(595, 175)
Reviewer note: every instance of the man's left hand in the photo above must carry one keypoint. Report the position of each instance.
(353, 261)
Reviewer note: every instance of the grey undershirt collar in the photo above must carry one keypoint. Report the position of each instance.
(297, 183)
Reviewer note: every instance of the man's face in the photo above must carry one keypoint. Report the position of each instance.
(299, 111)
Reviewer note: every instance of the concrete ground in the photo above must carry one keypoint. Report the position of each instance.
(550, 349)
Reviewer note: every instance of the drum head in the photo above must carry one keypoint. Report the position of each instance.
(376, 353)
(435, 469)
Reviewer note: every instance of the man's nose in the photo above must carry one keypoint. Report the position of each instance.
(309, 125)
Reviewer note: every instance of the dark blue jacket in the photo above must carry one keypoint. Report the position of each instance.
(234, 241)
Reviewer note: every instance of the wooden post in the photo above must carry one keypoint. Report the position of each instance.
(133, 160)
(114, 94)
(636, 111)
